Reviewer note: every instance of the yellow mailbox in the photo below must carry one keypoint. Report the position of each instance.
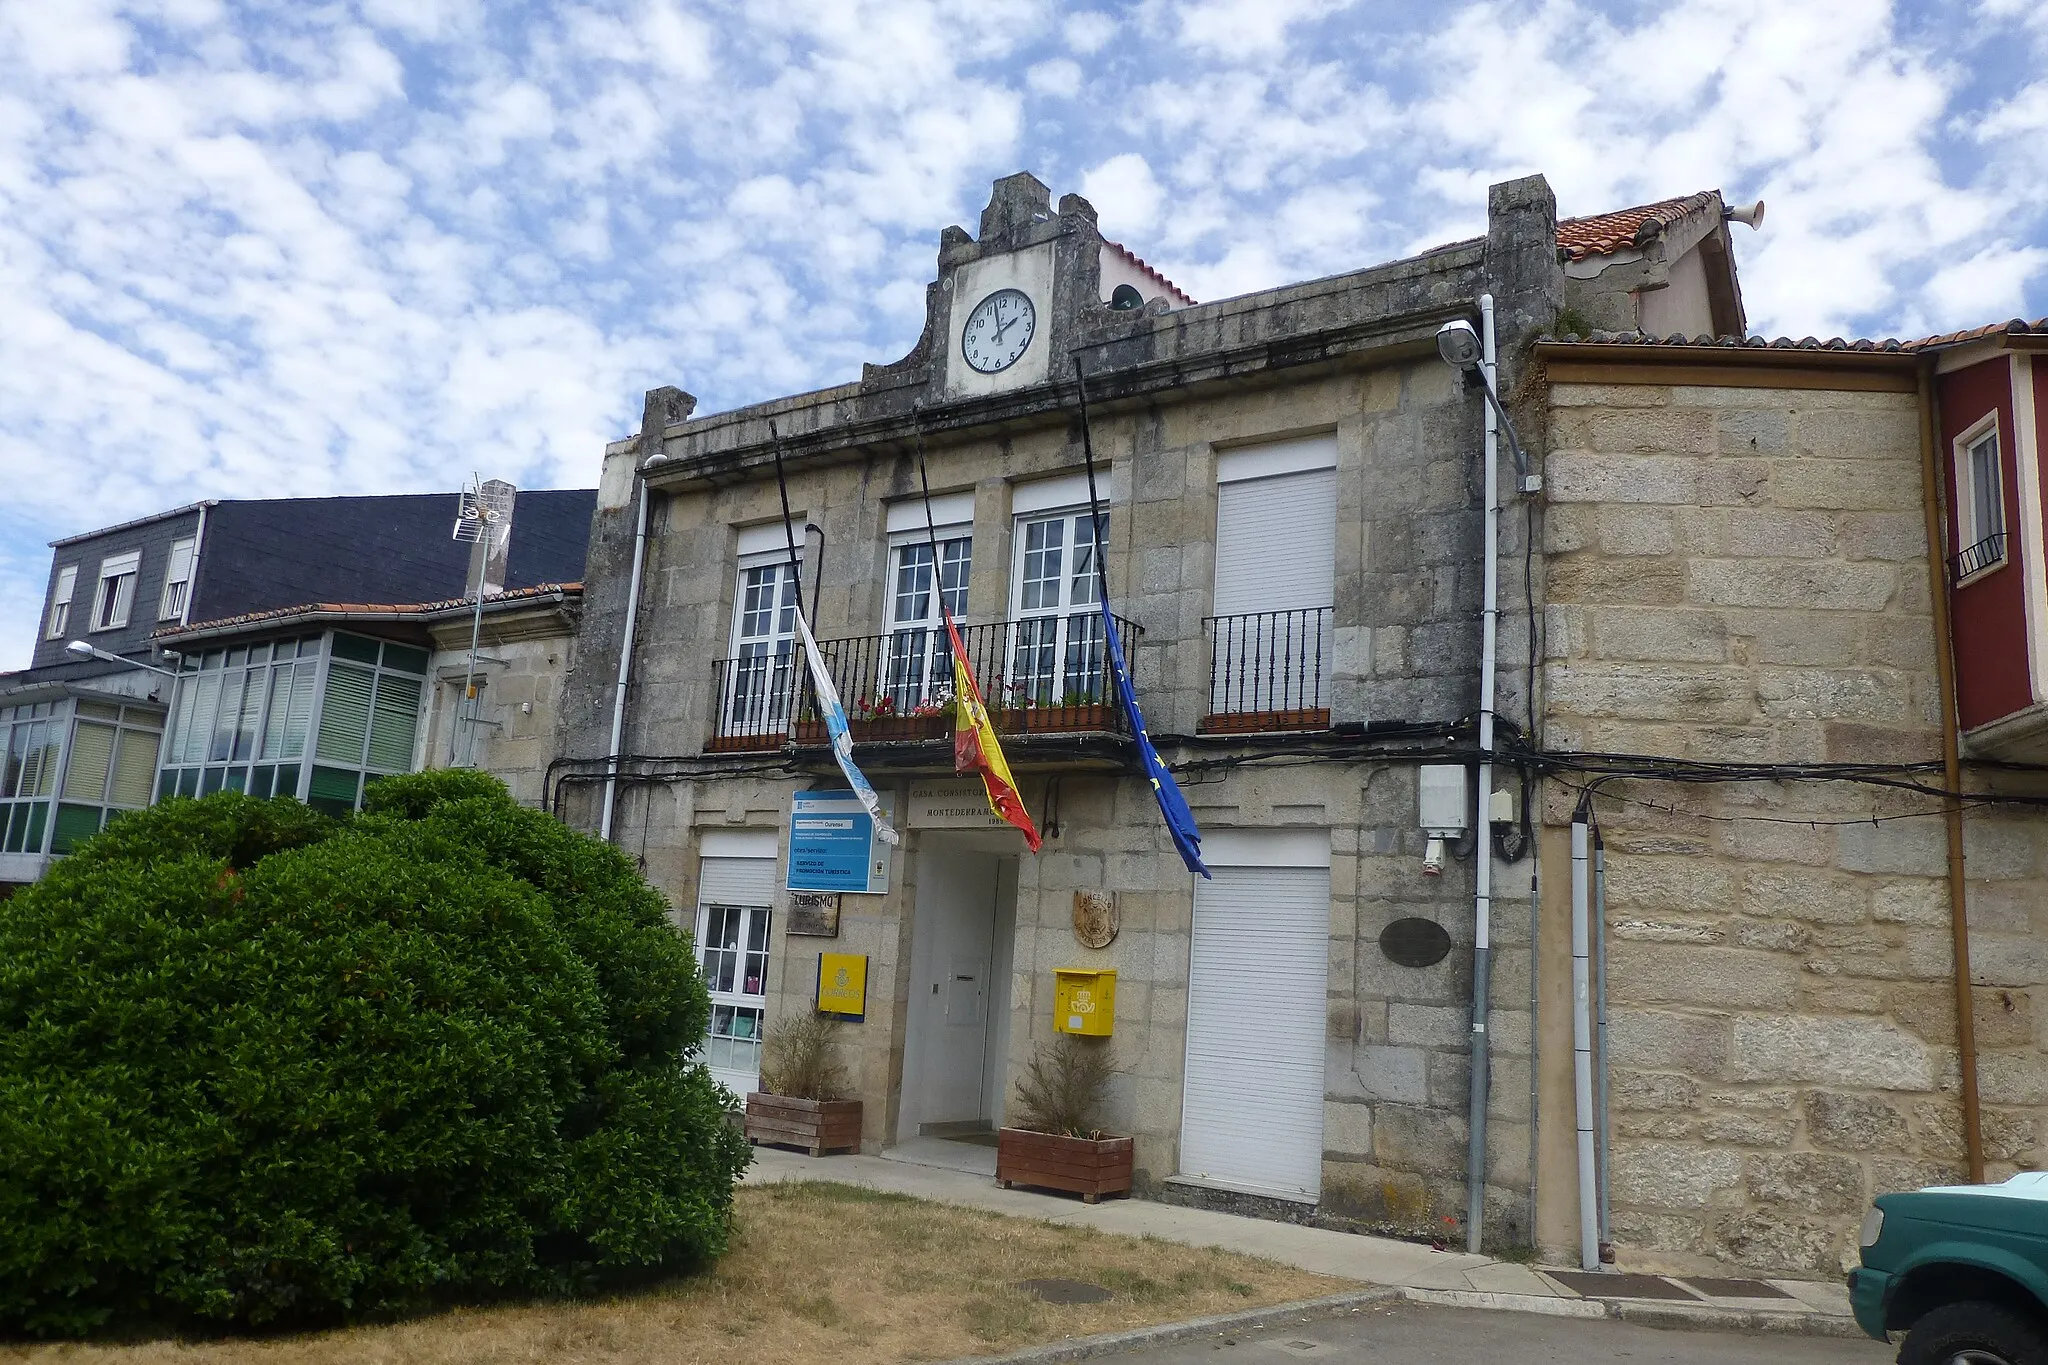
(1084, 1000)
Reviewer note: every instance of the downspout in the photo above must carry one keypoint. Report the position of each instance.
(1582, 1039)
(1482, 909)
(1600, 1038)
(611, 762)
(1952, 769)
(192, 569)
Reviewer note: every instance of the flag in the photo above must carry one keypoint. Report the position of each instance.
(975, 749)
(842, 738)
(1180, 821)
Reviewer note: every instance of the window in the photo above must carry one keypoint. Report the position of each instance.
(1270, 642)
(733, 949)
(244, 719)
(177, 580)
(30, 738)
(108, 770)
(1056, 650)
(60, 603)
(919, 666)
(1980, 501)
(758, 677)
(116, 596)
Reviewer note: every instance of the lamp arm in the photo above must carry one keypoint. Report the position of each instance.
(1508, 424)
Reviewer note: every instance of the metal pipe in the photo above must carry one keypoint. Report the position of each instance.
(1952, 770)
(1535, 1031)
(611, 779)
(1600, 1034)
(1582, 1043)
(465, 708)
(192, 569)
(1482, 906)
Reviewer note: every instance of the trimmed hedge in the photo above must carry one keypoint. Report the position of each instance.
(261, 1068)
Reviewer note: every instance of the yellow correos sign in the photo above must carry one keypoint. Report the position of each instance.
(843, 984)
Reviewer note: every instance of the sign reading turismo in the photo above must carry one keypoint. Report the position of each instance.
(834, 845)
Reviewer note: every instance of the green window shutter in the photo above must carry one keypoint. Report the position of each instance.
(333, 790)
(74, 824)
(134, 769)
(345, 714)
(393, 723)
(92, 751)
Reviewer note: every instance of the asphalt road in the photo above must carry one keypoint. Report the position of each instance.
(1419, 1334)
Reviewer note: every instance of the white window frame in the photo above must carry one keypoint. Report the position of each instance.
(730, 1007)
(177, 579)
(776, 693)
(1969, 534)
(1048, 680)
(60, 603)
(123, 571)
(913, 672)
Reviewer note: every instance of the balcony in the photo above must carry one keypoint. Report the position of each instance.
(1979, 557)
(1043, 675)
(1269, 671)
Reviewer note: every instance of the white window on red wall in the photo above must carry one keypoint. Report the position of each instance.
(1980, 501)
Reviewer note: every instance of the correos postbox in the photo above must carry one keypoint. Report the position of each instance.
(1084, 1000)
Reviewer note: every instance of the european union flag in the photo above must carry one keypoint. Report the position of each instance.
(1180, 821)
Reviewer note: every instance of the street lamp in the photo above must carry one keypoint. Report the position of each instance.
(81, 650)
(1459, 345)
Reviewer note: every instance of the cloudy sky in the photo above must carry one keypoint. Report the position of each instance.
(293, 247)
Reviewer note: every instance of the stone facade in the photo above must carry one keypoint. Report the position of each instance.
(1169, 389)
(1739, 574)
(526, 654)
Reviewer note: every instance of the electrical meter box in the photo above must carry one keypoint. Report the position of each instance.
(1443, 800)
(1084, 1001)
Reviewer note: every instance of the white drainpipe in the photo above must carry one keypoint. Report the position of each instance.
(611, 778)
(1582, 1043)
(1482, 914)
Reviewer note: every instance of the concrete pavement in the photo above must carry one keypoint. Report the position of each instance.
(1420, 1334)
(958, 1173)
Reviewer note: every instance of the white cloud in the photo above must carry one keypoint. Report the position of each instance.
(1088, 31)
(1058, 77)
(1125, 194)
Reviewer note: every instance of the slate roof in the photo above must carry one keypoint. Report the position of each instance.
(1605, 233)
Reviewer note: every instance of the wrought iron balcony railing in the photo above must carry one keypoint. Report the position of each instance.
(1269, 670)
(1981, 556)
(1038, 675)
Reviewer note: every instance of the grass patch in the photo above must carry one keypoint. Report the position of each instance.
(818, 1271)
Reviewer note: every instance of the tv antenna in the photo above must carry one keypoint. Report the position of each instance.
(483, 517)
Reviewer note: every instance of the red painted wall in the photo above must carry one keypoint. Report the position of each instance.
(1989, 615)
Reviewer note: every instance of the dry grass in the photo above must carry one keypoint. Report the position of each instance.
(818, 1272)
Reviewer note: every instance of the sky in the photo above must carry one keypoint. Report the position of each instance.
(300, 248)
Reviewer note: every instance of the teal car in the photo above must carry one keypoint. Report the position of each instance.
(1962, 1270)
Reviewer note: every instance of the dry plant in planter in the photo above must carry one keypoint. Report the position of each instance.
(800, 1102)
(1059, 1143)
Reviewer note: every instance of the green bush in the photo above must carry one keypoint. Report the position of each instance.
(261, 1068)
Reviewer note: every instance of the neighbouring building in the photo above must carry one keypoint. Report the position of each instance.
(226, 622)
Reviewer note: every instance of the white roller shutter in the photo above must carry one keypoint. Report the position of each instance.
(1276, 543)
(736, 881)
(1258, 980)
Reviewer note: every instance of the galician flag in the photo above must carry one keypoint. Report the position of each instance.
(975, 749)
(842, 737)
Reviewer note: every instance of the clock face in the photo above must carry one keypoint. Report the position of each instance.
(999, 331)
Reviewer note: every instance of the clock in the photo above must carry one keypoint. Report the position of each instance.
(999, 331)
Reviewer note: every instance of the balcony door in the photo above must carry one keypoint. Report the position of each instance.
(758, 678)
(1056, 645)
(918, 670)
(1276, 550)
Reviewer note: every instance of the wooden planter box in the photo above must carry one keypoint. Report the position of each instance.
(878, 730)
(817, 1126)
(1089, 1167)
(1038, 720)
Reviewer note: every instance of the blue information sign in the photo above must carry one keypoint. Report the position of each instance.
(832, 846)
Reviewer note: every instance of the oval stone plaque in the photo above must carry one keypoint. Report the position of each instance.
(1415, 942)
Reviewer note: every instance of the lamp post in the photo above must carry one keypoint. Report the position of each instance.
(81, 650)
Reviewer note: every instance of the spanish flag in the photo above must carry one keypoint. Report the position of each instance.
(975, 749)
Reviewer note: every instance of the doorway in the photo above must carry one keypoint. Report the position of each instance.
(957, 1024)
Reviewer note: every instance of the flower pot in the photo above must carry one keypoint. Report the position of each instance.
(1089, 1167)
(817, 1126)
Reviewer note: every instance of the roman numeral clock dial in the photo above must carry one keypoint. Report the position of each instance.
(999, 331)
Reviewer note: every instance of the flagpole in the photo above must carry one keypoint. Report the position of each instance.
(796, 566)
